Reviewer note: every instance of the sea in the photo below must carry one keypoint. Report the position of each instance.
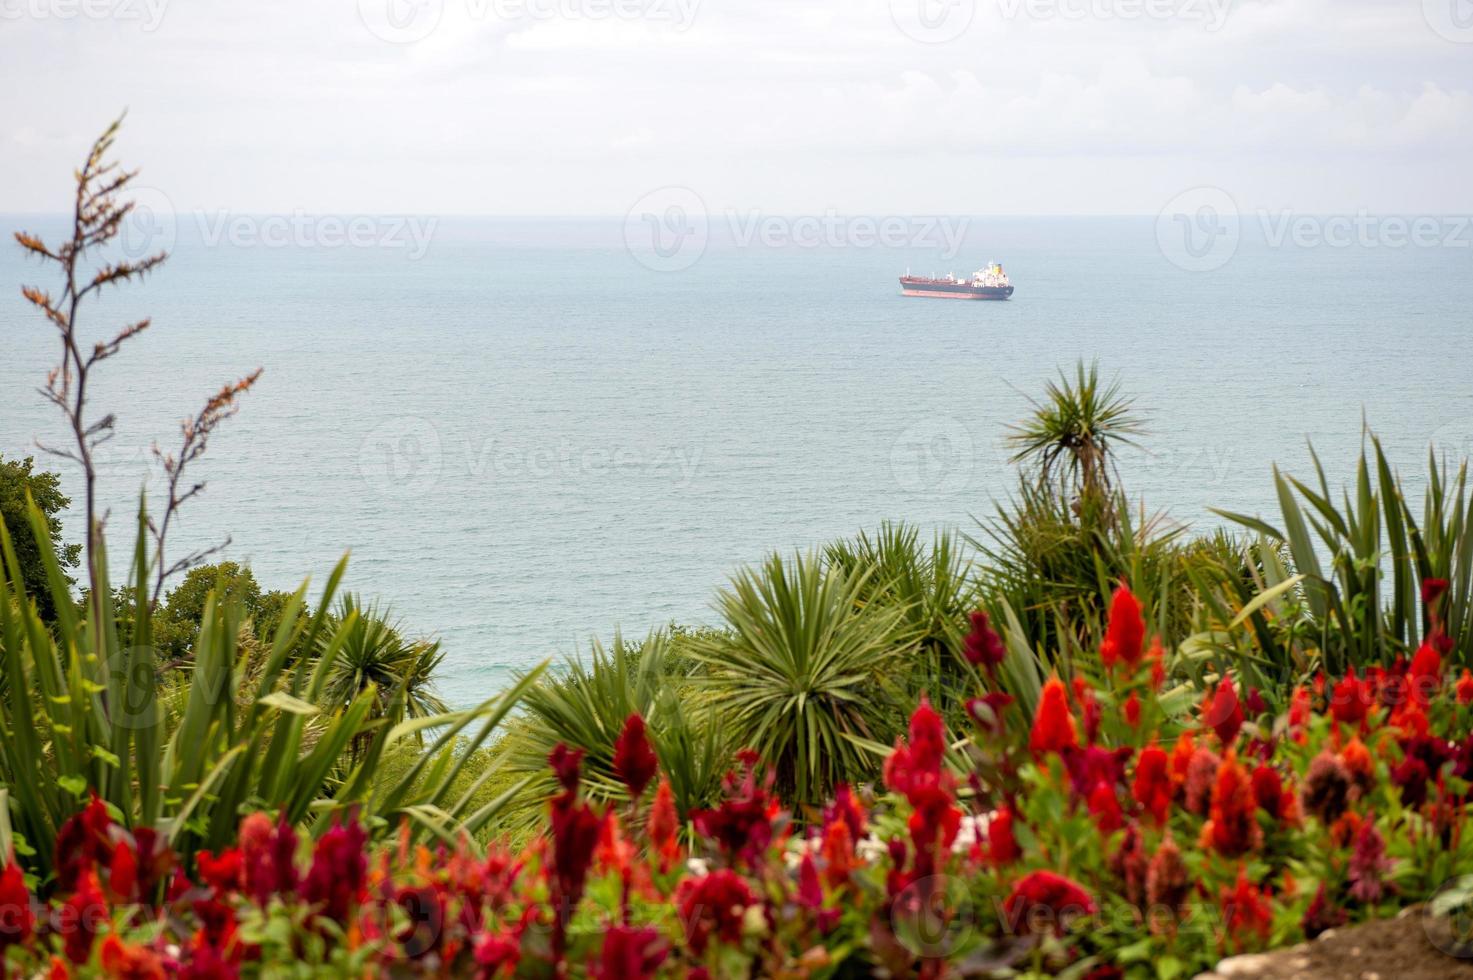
(530, 433)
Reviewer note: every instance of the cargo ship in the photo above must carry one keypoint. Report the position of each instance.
(988, 283)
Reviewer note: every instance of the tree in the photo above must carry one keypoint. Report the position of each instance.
(17, 478)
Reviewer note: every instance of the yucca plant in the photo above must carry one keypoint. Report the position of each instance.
(807, 669)
(82, 715)
(1361, 567)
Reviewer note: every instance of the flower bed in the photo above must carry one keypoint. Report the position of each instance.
(1110, 834)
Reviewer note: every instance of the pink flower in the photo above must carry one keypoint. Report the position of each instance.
(268, 854)
(1367, 864)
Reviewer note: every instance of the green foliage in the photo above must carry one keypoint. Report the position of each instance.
(1363, 560)
(806, 675)
(1071, 435)
(374, 655)
(585, 705)
(84, 705)
(18, 480)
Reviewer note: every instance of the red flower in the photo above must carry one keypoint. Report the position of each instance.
(915, 769)
(1043, 901)
(1321, 916)
(635, 762)
(575, 833)
(630, 953)
(1053, 725)
(1224, 713)
(83, 841)
(712, 906)
(1232, 829)
(1002, 846)
(123, 962)
(1326, 787)
(1299, 711)
(80, 915)
(1089, 710)
(983, 647)
(664, 826)
(339, 871)
(1465, 687)
(17, 919)
(122, 876)
(1268, 790)
(1425, 674)
(1350, 700)
(1246, 912)
(1104, 806)
(1157, 658)
(1432, 590)
(1126, 631)
(221, 873)
(1132, 710)
(1201, 777)
(1152, 787)
(742, 825)
(268, 854)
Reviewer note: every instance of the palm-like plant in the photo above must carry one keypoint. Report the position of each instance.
(1073, 431)
(804, 675)
(375, 655)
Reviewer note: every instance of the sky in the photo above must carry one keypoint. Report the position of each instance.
(584, 107)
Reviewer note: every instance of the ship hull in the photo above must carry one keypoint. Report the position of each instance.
(947, 290)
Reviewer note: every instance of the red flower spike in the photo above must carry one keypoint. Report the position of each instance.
(712, 907)
(17, 918)
(1268, 791)
(1002, 846)
(1104, 807)
(1424, 676)
(664, 826)
(339, 871)
(1224, 713)
(122, 876)
(1053, 725)
(1246, 913)
(1167, 881)
(222, 873)
(1232, 829)
(630, 953)
(1464, 687)
(1125, 632)
(80, 915)
(1045, 902)
(1152, 787)
(635, 762)
(121, 961)
(1132, 710)
(983, 647)
(1350, 700)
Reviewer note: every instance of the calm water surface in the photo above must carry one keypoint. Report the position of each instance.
(527, 437)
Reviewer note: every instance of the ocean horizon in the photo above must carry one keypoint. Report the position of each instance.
(534, 431)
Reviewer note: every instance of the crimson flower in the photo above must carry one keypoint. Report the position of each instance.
(1326, 789)
(1126, 631)
(83, 841)
(742, 824)
(17, 919)
(1246, 912)
(339, 870)
(914, 768)
(268, 857)
(1053, 725)
(575, 832)
(1322, 916)
(1152, 787)
(630, 953)
(1232, 829)
(983, 647)
(1131, 709)
(1002, 846)
(221, 873)
(712, 906)
(1268, 790)
(80, 915)
(1425, 674)
(1224, 712)
(1367, 864)
(635, 762)
(1044, 901)
(663, 826)
(1465, 687)
(1350, 700)
(1167, 881)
